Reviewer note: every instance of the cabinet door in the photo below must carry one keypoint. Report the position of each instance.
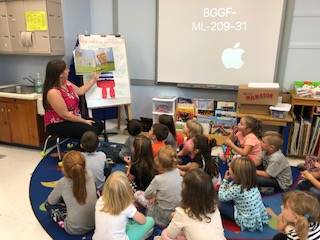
(17, 24)
(5, 44)
(23, 122)
(4, 124)
(40, 38)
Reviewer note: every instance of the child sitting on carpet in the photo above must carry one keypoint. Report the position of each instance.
(249, 129)
(158, 134)
(134, 129)
(202, 159)
(191, 129)
(311, 181)
(115, 207)
(165, 188)
(167, 120)
(198, 217)
(299, 218)
(71, 203)
(277, 171)
(141, 169)
(96, 162)
(239, 186)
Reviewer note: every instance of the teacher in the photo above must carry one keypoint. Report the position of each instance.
(60, 100)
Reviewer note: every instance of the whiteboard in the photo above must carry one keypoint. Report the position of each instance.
(218, 42)
(121, 96)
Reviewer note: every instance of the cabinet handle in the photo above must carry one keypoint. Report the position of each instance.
(2, 109)
(9, 110)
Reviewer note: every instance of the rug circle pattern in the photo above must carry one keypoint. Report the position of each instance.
(47, 173)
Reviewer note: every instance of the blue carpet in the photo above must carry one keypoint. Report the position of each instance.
(41, 184)
(232, 232)
(47, 172)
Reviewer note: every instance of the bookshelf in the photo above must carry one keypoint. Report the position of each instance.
(304, 135)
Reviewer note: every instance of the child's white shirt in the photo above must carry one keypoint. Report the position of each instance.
(109, 227)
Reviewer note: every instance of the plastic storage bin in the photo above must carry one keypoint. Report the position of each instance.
(163, 105)
(280, 110)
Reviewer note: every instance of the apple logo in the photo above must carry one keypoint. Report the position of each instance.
(231, 57)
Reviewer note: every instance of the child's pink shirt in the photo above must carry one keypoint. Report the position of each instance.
(251, 140)
(187, 149)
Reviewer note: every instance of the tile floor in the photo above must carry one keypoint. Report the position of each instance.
(17, 220)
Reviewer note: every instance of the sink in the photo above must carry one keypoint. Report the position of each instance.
(20, 89)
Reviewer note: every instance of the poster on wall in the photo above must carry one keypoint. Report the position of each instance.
(106, 55)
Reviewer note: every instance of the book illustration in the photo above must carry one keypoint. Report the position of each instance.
(89, 60)
(107, 85)
(185, 111)
(204, 104)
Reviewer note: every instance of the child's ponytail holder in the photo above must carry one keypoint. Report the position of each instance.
(308, 217)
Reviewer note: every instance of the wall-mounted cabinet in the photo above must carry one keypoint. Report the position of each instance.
(31, 27)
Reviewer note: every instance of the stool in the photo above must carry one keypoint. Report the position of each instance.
(45, 151)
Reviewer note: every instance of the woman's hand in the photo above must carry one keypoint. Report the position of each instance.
(95, 77)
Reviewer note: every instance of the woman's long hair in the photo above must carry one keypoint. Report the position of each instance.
(74, 167)
(52, 79)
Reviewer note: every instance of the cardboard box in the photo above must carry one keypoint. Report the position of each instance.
(257, 96)
(254, 109)
(286, 97)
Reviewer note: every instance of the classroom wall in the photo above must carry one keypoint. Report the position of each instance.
(304, 45)
(76, 19)
(298, 60)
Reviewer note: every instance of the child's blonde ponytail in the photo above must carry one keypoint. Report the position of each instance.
(302, 228)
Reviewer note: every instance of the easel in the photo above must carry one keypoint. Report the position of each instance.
(127, 109)
(119, 75)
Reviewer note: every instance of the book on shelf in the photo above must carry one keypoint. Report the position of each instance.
(226, 105)
(307, 132)
(294, 137)
(315, 136)
(300, 135)
(221, 113)
(204, 104)
(314, 145)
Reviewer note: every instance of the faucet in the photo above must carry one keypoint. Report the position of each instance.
(29, 78)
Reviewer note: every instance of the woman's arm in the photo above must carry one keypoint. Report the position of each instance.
(86, 86)
(59, 106)
(139, 218)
